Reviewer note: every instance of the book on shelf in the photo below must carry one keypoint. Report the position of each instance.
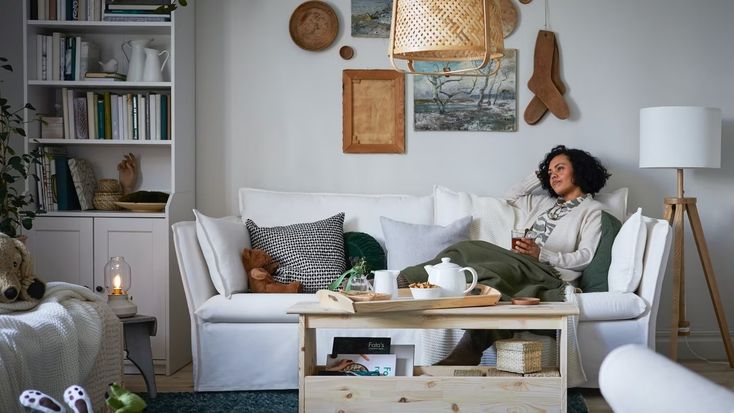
(136, 4)
(362, 364)
(66, 196)
(361, 345)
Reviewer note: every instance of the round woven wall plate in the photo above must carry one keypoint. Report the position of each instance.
(313, 25)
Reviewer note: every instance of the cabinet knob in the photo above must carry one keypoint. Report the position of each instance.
(99, 289)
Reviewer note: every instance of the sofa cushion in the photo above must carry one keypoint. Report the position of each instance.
(594, 277)
(363, 212)
(359, 244)
(251, 308)
(411, 244)
(221, 241)
(312, 253)
(625, 271)
(610, 306)
(492, 217)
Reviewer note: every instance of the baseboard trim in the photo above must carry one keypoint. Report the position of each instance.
(707, 344)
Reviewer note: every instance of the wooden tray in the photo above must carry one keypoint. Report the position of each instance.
(339, 301)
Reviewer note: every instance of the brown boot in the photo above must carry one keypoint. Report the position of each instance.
(468, 351)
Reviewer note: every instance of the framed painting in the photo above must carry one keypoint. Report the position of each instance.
(373, 104)
(371, 18)
(480, 102)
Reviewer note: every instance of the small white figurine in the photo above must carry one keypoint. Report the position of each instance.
(110, 66)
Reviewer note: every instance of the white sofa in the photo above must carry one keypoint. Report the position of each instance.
(248, 342)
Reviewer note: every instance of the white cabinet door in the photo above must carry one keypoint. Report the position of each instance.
(144, 244)
(62, 249)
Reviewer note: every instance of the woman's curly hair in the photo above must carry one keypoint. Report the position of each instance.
(588, 172)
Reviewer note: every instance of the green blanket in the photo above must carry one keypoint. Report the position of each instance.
(512, 274)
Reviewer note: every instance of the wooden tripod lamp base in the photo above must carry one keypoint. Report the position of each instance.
(674, 210)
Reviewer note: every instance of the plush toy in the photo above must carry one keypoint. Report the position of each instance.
(16, 272)
(260, 267)
(122, 400)
(119, 399)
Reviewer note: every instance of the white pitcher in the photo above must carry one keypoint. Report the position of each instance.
(153, 70)
(386, 281)
(136, 60)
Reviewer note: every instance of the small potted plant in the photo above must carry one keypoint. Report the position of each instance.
(356, 277)
(16, 208)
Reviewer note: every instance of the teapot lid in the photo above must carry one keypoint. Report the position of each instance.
(446, 264)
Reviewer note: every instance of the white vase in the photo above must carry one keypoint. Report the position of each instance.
(136, 59)
(153, 70)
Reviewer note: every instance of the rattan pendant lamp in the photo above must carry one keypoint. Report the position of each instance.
(446, 31)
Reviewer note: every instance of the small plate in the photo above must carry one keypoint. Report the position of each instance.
(142, 206)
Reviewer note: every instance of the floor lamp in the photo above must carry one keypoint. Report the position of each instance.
(681, 137)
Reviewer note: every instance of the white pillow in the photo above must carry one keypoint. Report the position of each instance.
(222, 241)
(610, 306)
(411, 244)
(625, 271)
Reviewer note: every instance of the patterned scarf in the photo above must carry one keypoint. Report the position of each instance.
(546, 222)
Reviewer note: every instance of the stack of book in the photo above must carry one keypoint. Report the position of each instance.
(104, 76)
(136, 10)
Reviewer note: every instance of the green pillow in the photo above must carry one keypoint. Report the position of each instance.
(594, 277)
(359, 244)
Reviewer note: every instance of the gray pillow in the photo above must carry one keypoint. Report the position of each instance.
(411, 244)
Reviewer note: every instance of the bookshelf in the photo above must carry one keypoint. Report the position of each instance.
(74, 245)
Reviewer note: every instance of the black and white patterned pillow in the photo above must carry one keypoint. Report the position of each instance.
(312, 253)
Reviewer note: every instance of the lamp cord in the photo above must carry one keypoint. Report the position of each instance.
(700, 357)
(547, 11)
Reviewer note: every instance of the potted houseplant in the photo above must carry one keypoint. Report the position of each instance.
(356, 277)
(17, 209)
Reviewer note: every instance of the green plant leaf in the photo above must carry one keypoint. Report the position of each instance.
(9, 68)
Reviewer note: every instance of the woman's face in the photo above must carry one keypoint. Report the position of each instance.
(560, 171)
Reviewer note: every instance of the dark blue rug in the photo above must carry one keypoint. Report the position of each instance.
(272, 401)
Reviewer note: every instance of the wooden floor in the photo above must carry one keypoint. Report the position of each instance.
(181, 382)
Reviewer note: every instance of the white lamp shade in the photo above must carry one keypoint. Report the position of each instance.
(680, 137)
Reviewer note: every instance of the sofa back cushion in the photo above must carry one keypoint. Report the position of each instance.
(594, 278)
(362, 212)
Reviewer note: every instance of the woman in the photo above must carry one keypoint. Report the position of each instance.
(565, 226)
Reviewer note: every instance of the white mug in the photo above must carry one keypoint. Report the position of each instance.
(386, 281)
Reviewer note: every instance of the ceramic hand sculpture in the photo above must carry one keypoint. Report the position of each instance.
(127, 173)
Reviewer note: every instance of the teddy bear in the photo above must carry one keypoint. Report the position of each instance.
(17, 280)
(260, 267)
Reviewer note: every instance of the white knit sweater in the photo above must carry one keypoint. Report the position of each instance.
(572, 244)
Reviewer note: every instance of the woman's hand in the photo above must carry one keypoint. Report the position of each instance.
(527, 246)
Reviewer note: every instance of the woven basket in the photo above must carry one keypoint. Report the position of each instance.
(518, 356)
(108, 185)
(105, 201)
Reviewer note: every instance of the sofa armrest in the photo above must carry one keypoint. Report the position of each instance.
(194, 272)
(633, 378)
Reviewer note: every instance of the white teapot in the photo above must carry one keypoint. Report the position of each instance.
(450, 278)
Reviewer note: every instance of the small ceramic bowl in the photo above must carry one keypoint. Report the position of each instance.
(424, 293)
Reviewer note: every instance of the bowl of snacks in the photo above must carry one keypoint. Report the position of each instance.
(424, 290)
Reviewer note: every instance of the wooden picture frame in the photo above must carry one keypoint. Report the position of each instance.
(373, 111)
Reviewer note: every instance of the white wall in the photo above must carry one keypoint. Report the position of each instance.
(269, 114)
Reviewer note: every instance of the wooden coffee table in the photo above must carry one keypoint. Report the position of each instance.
(434, 388)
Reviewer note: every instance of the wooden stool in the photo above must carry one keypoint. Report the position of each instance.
(137, 331)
